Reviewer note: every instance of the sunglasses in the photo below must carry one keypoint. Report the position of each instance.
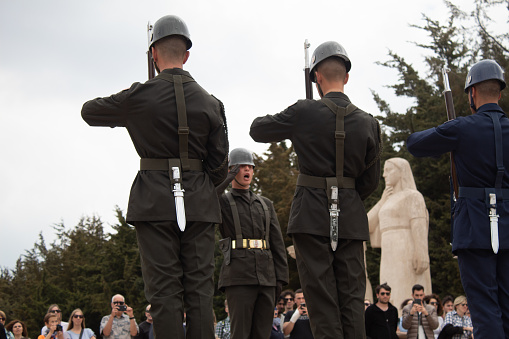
(81, 316)
(367, 304)
(2, 318)
(464, 304)
(385, 293)
(118, 303)
(433, 303)
(289, 299)
(55, 311)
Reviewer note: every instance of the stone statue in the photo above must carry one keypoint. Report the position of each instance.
(398, 224)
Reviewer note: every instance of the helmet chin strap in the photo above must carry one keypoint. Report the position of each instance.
(240, 183)
(155, 64)
(472, 104)
(319, 90)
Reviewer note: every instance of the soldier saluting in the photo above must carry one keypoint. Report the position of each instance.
(338, 148)
(254, 267)
(480, 230)
(179, 131)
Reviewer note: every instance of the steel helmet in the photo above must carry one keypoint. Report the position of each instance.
(326, 50)
(241, 156)
(485, 70)
(170, 25)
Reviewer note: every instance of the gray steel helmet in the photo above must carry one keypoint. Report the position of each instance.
(485, 70)
(241, 156)
(170, 25)
(326, 50)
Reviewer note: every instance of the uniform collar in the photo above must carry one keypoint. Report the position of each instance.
(491, 107)
(339, 95)
(176, 71)
(243, 193)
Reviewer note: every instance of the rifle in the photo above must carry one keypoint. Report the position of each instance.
(151, 67)
(309, 88)
(451, 115)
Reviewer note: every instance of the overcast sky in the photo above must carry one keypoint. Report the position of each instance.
(55, 55)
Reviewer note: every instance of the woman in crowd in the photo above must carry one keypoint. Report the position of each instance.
(18, 329)
(400, 331)
(434, 301)
(448, 305)
(457, 323)
(77, 326)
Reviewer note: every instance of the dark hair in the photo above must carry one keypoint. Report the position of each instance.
(417, 287)
(299, 291)
(405, 302)
(447, 299)
(14, 322)
(286, 292)
(384, 286)
(427, 300)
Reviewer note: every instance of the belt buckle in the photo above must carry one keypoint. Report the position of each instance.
(255, 243)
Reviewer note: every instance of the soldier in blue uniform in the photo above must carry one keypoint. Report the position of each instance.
(480, 145)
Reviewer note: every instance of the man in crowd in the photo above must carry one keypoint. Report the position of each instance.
(254, 267)
(223, 327)
(54, 309)
(479, 144)
(338, 146)
(179, 131)
(382, 318)
(297, 321)
(419, 319)
(146, 326)
(120, 324)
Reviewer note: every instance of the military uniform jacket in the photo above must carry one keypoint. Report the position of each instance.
(149, 112)
(310, 125)
(472, 141)
(252, 266)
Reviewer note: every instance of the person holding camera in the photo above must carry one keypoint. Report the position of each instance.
(297, 321)
(418, 318)
(120, 324)
(54, 329)
(55, 309)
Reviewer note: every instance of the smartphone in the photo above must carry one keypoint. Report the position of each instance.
(417, 301)
(302, 305)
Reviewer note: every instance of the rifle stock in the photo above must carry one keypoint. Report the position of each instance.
(309, 88)
(151, 66)
(451, 115)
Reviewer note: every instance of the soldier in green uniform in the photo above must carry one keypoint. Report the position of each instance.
(338, 148)
(254, 267)
(174, 124)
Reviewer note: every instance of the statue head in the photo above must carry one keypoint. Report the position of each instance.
(401, 174)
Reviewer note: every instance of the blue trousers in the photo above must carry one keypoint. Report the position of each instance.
(485, 278)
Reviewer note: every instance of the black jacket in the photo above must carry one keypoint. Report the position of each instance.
(149, 112)
(310, 125)
(381, 324)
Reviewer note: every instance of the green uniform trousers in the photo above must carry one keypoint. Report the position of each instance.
(178, 273)
(334, 285)
(251, 311)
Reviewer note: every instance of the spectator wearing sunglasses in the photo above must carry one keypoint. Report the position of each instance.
(434, 300)
(457, 324)
(367, 303)
(76, 328)
(381, 319)
(4, 333)
(120, 324)
(54, 309)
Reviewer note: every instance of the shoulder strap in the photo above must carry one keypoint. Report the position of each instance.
(498, 149)
(267, 219)
(339, 135)
(81, 333)
(236, 220)
(183, 129)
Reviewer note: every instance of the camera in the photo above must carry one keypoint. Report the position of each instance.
(59, 328)
(417, 301)
(122, 308)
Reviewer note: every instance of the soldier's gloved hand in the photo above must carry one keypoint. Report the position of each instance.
(229, 178)
(279, 288)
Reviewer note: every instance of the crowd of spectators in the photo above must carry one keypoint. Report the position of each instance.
(446, 318)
